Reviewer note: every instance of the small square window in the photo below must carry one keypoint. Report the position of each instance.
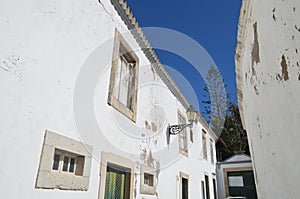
(64, 163)
(147, 180)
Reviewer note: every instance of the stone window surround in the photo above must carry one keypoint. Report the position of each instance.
(146, 189)
(186, 176)
(47, 178)
(118, 42)
(182, 150)
(110, 158)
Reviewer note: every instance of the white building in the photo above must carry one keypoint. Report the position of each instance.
(73, 125)
(235, 177)
(268, 80)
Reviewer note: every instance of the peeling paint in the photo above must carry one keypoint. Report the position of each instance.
(255, 49)
(278, 77)
(284, 70)
(150, 160)
(11, 65)
(256, 90)
(274, 18)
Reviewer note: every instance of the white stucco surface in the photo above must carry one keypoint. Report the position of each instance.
(44, 45)
(268, 80)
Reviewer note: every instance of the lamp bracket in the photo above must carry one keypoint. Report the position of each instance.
(176, 129)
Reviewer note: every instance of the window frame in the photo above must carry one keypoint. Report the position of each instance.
(207, 186)
(147, 188)
(62, 155)
(122, 49)
(204, 144)
(183, 150)
(211, 146)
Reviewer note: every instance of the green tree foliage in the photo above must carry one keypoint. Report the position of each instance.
(233, 134)
(215, 99)
(223, 117)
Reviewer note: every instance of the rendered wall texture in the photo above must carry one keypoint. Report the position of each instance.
(268, 81)
(44, 45)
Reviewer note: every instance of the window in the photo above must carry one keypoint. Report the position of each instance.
(207, 186)
(212, 158)
(191, 135)
(204, 148)
(123, 81)
(184, 181)
(182, 136)
(215, 188)
(147, 180)
(203, 189)
(64, 163)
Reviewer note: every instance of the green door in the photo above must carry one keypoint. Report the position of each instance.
(117, 184)
(246, 185)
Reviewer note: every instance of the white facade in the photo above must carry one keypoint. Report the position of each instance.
(238, 162)
(47, 48)
(268, 80)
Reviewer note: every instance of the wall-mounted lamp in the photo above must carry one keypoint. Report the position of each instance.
(176, 129)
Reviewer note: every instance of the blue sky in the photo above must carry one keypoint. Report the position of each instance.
(213, 24)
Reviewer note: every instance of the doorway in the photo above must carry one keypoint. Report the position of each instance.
(117, 183)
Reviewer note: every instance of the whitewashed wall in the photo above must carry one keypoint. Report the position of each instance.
(268, 79)
(44, 45)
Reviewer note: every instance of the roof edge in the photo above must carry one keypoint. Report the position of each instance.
(130, 21)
